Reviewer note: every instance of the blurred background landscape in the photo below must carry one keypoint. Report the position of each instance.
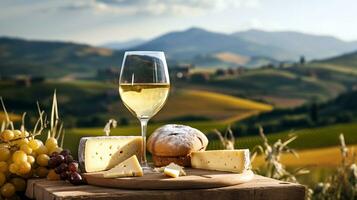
(288, 67)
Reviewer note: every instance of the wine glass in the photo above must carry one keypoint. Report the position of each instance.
(144, 87)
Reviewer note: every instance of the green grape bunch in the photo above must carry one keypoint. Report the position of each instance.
(22, 156)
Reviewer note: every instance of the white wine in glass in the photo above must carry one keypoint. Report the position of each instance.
(144, 87)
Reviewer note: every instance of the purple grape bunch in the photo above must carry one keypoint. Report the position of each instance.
(67, 168)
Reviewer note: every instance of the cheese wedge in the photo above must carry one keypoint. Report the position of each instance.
(174, 170)
(171, 166)
(105, 152)
(129, 167)
(222, 160)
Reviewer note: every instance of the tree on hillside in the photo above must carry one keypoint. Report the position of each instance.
(314, 115)
(302, 60)
(220, 72)
(230, 71)
(199, 77)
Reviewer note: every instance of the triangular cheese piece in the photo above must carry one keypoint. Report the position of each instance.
(174, 170)
(129, 167)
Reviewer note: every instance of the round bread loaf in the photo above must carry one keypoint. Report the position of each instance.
(160, 161)
(174, 143)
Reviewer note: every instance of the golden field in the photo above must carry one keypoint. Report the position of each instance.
(321, 157)
(215, 106)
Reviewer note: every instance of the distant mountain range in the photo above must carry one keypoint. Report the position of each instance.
(123, 45)
(311, 46)
(193, 42)
(197, 46)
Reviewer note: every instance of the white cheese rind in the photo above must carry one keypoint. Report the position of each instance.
(129, 167)
(104, 152)
(222, 160)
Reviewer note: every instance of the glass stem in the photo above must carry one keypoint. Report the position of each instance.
(143, 123)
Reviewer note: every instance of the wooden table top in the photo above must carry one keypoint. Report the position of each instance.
(258, 189)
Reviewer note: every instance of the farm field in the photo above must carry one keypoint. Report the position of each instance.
(336, 67)
(308, 138)
(320, 163)
(282, 88)
(89, 101)
(322, 157)
(212, 105)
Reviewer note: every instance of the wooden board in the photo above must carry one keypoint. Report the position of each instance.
(260, 188)
(195, 178)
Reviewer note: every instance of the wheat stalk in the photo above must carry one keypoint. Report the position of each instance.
(112, 123)
(8, 122)
(56, 128)
(228, 143)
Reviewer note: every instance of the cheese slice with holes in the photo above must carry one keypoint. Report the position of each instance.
(104, 152)
(222, 160)
(129, 167)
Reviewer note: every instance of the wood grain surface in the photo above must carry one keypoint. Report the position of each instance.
(195, 179)
(260, 188)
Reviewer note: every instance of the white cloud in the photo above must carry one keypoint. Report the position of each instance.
(158, 7)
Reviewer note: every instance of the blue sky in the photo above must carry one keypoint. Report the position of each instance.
(99, 21)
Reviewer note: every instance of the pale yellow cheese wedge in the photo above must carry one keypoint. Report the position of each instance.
(222, 160)
(129, 167)
(172, 170)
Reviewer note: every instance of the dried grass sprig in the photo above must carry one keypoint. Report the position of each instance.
(112, 123)
(7, 121)
(22, 128)
(343, 183)
(56, 126)
(227, 140)
(36, 131)
(272, 154)
(273, 167)
(62, 139)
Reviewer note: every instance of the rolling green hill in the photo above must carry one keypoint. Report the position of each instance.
(53, 59)
(228, 59)
(280, 87)
(349, 59)
(343, 109)
(92, 103)
(292, 85)
(308, 138)
(346, 63)
(210, 105)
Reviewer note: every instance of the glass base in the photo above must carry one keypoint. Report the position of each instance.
(148, 169)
